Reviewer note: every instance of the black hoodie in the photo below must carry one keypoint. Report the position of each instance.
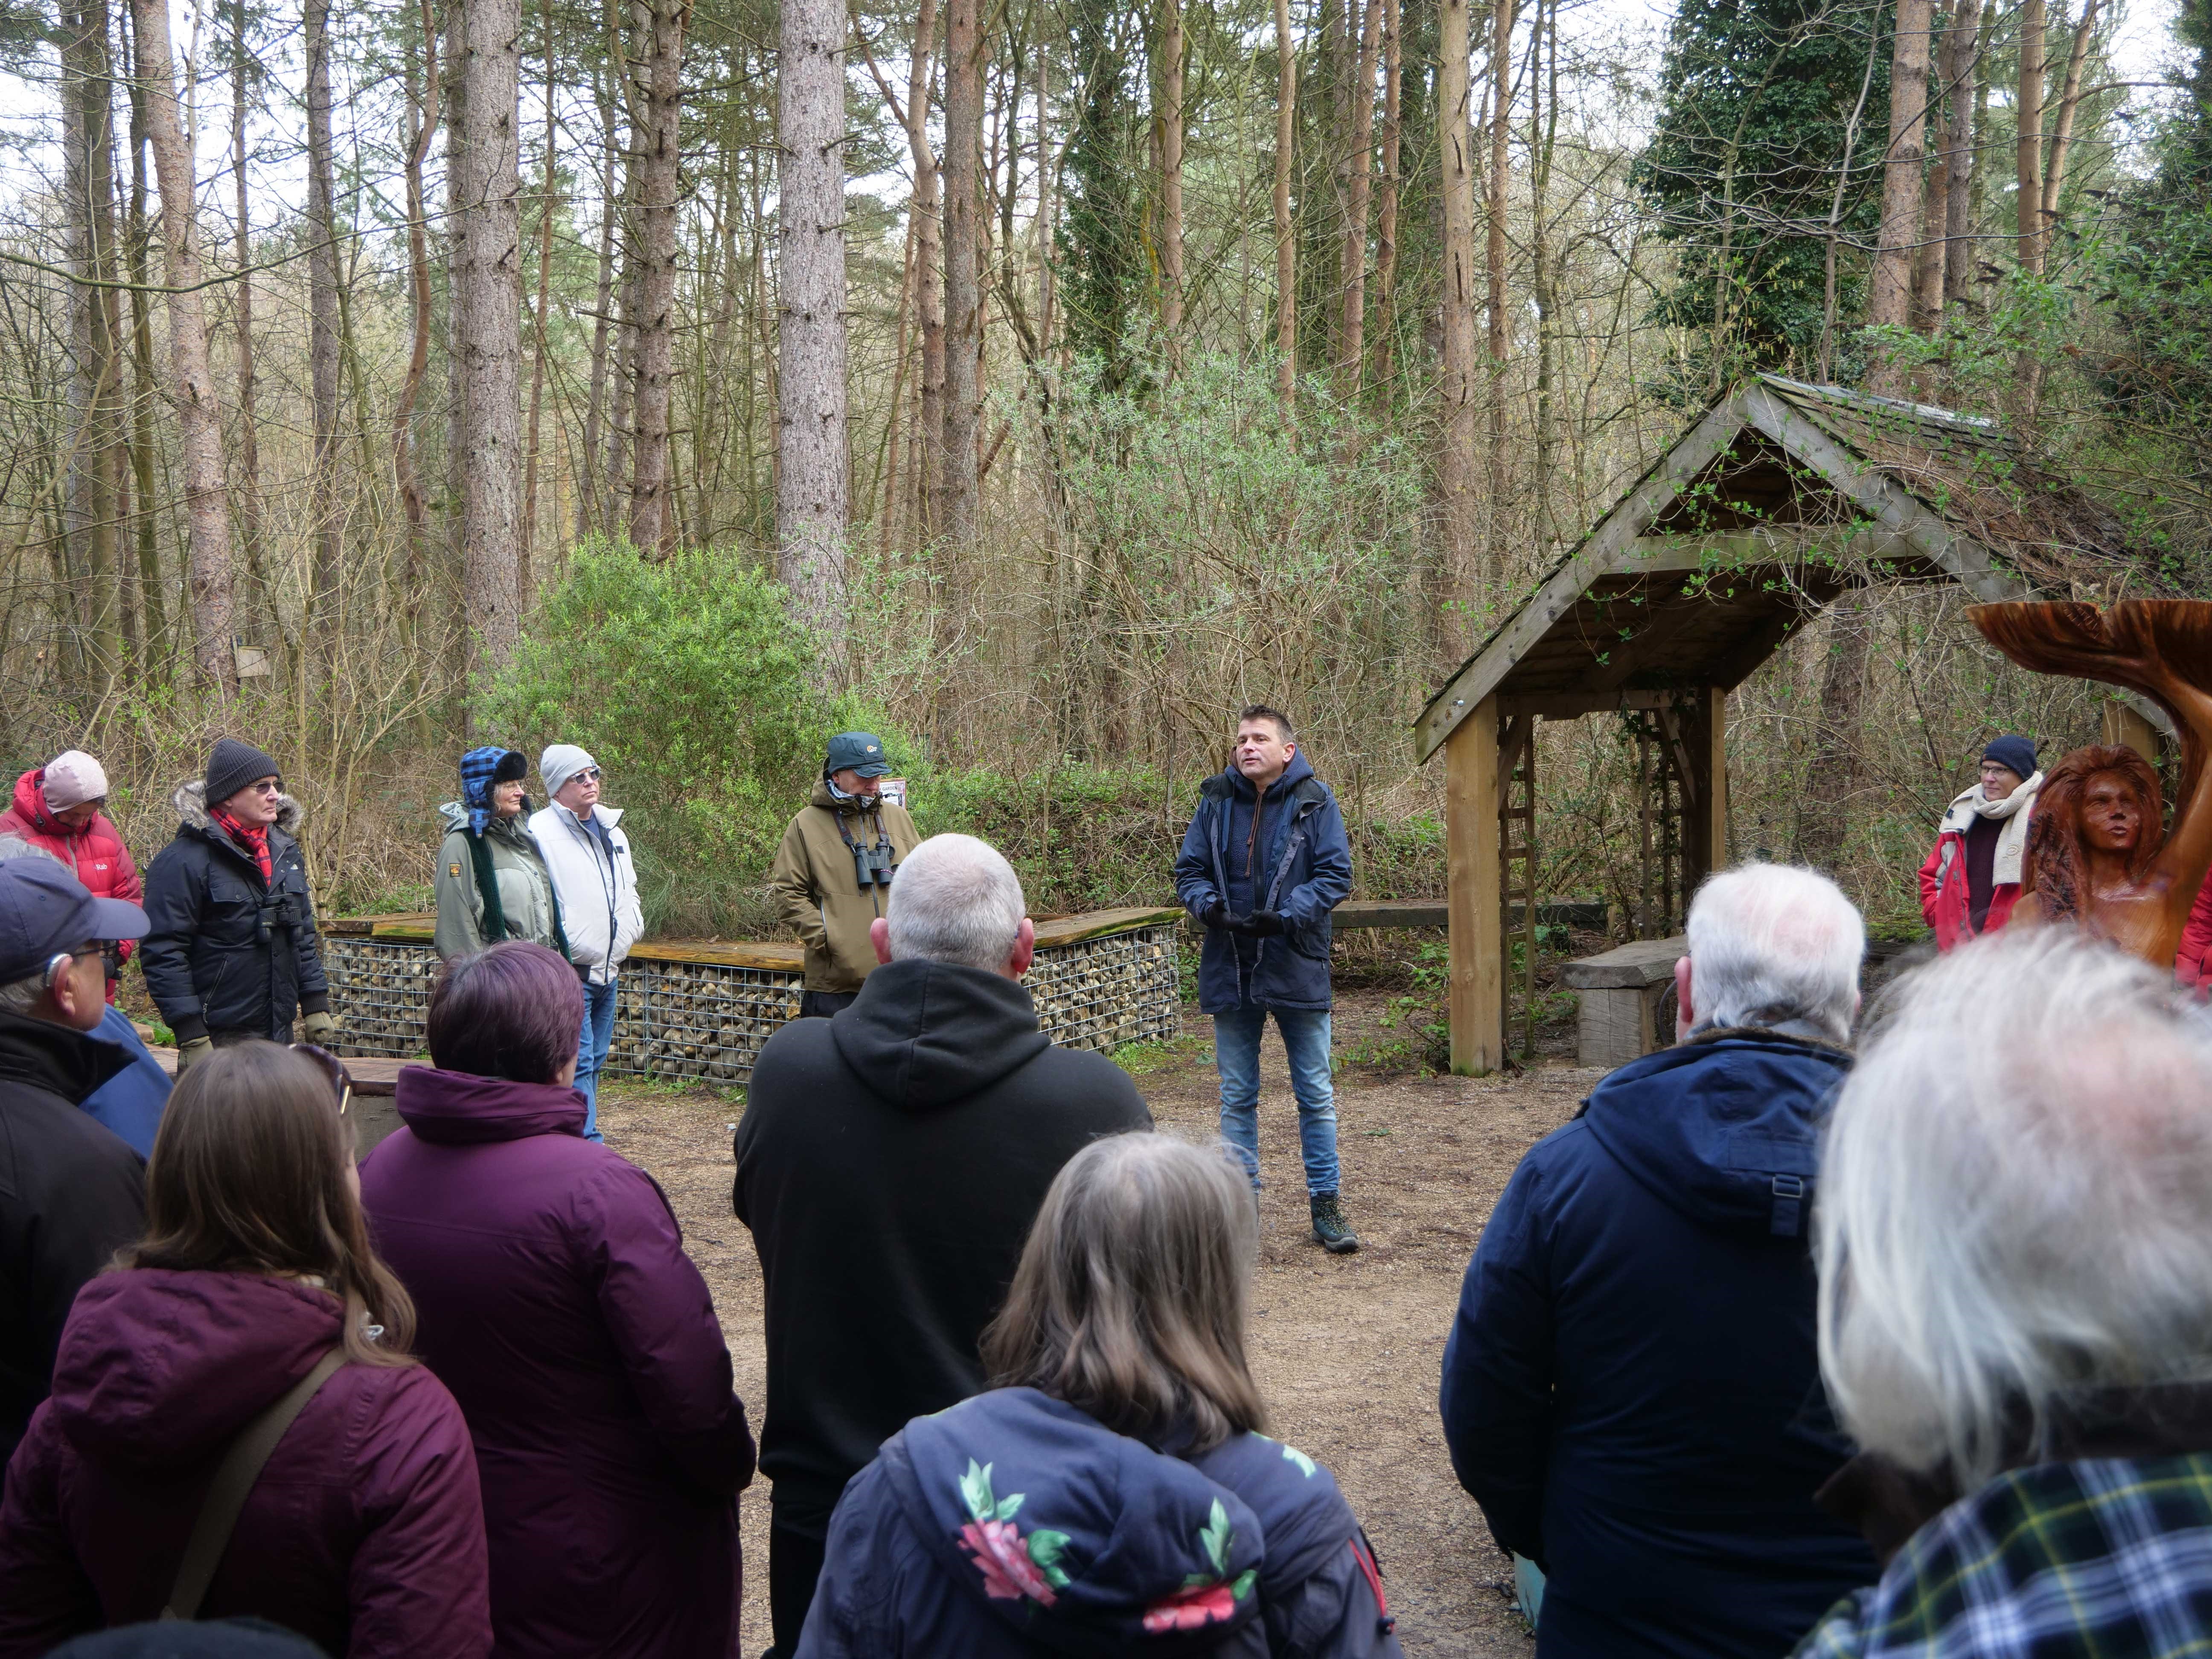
(890, 1164)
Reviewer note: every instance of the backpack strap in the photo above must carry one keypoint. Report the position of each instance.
(234, 1476)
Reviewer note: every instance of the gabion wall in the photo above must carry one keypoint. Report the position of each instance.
(701, 1020)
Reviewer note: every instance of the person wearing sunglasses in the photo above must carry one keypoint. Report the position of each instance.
(58, 809)
(233, 952)
(71, 1193)
(587, 856)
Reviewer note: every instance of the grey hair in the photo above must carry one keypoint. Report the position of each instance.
(1773, 943)
(2015, 1198)
(956, 899)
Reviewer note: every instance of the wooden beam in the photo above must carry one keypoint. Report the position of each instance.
(1705, 823)
(1573, 705)
(1884, 500)
(1606, 550)
(1474, 848)
(1389, 913)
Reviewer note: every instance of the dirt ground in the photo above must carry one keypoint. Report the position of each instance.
(1347, 1349)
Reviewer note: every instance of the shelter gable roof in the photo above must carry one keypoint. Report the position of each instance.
(1777, 499)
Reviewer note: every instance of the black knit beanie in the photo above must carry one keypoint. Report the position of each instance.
(233, 766)
(2017, 753)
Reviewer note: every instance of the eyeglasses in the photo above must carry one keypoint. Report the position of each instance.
(268, 787)
(334, 1068)
(59, 964)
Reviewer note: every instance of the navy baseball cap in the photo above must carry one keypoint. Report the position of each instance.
(45, 911)
(859, 752)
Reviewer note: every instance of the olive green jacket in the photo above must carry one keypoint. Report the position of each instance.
(818, 893)
(525, 891)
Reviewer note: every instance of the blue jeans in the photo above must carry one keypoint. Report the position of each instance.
(1305, 1041)
(591, 1050)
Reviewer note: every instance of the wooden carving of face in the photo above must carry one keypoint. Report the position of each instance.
(2112, 816)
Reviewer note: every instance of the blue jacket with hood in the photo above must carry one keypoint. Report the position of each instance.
(1013, 1526)
(1626, 1388)
(1304, 871)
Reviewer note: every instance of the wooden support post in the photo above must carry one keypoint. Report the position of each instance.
(1704, 830)
(1473, 847)
(2124, 726)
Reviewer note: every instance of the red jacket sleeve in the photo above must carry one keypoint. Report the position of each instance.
(128, 886)
(419, 1586)
(2189, 963)
(1927, 870)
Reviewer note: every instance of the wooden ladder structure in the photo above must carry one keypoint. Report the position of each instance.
(1517, 837)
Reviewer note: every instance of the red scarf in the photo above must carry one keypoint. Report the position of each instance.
(254, 840)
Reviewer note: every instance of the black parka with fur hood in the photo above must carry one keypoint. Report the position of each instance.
(227, 952)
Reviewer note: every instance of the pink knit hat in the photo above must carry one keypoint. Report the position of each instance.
(71, 778)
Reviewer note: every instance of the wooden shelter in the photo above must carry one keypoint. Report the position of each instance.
(1780, 497)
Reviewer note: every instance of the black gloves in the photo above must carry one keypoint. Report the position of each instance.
(1261, 924)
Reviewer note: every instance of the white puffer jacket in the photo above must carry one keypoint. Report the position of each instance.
(599, 904)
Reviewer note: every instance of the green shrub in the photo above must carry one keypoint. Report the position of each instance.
(688, 681)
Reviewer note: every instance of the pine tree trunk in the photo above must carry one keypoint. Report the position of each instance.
(199, 417)
(1170, 139)
(591, 517)
(1351, 271)
(422, 87)
(1501, 332)
(1889, 302)
(2028, 148)
(927, 213)
(89, 122)
(323, 600)
(153, 593)
(1961, 64)
(2062, 131)
(1286, 247)
(249, 419)
(1386, 212)
(1455, 484)
(963, 312)
(1928, 253)
(1829, 803)
(488, 291)
(651, 505)
(524, 581)
(811, 509)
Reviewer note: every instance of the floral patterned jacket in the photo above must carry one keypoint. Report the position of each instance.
(1014, 1524)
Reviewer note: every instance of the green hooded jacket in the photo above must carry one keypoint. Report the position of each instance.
(525, 891)
(818, 893)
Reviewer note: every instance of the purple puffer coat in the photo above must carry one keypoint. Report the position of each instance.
(364, 1533)
(558, 1306)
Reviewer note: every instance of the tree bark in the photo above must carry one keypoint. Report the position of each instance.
(199, 417)
(93, 480)
(422, 115)
(153, 595)
(1286, 247)
(524, 581)
(651, 505)
(1352, 272)
(1170, 140)
(2061, 132)
(1501, 333)
(811, 509)
(1826, 802)
(1961, 61)
(590, 517)
(1386, 214)
(963, 312)
(249, 419)
(1889, 302)
(489, 305)
(1928, 253)
(2028, 149)
(925, 214)
(1455, 484)
(323, 599)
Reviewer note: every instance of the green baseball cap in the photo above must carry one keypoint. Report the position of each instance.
(856, 751)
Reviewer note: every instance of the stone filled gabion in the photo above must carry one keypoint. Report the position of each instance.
(703, 1020)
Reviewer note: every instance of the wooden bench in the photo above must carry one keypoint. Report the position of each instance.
(1620, 992)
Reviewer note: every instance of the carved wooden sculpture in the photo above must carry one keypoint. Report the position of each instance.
(2098, 853)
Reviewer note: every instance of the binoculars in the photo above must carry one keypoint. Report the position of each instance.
(872, 865)
(276, 910)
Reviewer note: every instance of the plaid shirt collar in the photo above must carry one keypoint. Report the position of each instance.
(2104, 1557)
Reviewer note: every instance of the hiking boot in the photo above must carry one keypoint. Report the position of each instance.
(1330, 1229)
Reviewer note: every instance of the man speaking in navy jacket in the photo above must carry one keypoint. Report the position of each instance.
(1630, 1390)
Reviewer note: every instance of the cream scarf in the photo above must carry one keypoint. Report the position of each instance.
(2014, 811)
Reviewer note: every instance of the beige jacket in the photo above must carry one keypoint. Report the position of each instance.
(819, 895)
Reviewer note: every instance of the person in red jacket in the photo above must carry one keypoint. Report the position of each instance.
(2192, 964)
(1971, 879)
(364, 1532)
(57, 810)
